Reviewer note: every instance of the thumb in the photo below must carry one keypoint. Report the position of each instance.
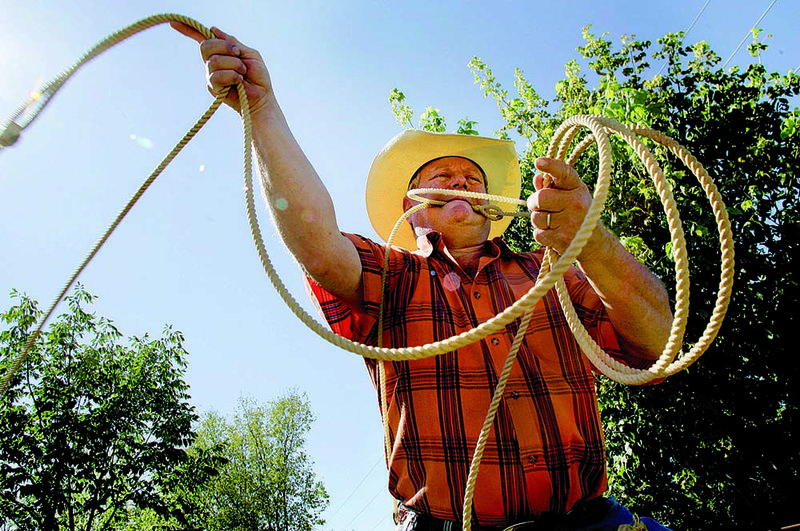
(188, 31)
(557, 174)
(226, 36)
(243, 51)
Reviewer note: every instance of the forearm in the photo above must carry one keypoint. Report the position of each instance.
(635, 299)
(300, 204)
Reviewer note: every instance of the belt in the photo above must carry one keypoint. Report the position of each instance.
(583, 514)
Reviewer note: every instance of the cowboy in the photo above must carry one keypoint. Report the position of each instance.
(448, 271)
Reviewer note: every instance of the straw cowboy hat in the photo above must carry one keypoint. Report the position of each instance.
(396, 163)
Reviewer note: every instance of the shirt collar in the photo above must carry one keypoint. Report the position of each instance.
(429, 240)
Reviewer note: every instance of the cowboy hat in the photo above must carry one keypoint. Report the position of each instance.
(398, 161)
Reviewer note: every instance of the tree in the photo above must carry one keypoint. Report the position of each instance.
(94, 430)
(714, 447)
(268, 483)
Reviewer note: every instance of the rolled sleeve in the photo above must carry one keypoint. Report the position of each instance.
(353, 325)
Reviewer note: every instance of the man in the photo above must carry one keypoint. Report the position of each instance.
(450, 271)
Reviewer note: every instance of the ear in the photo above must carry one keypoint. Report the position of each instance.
(408, 203)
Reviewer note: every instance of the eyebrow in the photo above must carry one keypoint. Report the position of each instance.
(469, 173)
(418, 174)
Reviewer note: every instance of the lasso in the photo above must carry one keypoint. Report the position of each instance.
(553, 267)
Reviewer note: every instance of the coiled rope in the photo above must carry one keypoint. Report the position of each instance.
(551, 274)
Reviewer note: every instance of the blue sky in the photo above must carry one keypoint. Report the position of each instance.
(184, 256)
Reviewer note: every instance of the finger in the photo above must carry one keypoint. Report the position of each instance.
(188, 31)
(544, 220)
(228, 37)
(564, 176)
(556, 200)
(221, 34)
(533, 202)
(538, 181)
(211, 47)
(245, 52)
(217, 81)
(225, 62)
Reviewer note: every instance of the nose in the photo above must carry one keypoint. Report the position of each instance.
(458, 181)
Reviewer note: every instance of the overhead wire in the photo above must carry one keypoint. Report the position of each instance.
(353, 519)
(339, 508)
(764, 14)
(685, 33)
(384, 519)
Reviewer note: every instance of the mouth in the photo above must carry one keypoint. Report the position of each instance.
(459, 199)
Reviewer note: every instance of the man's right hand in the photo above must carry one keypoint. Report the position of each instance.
(229, 62)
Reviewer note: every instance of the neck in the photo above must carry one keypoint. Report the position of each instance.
(466, 254)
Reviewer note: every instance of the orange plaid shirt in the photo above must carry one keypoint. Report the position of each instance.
(546, 451)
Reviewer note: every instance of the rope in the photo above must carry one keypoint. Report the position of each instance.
(551, 274)
(666, 365)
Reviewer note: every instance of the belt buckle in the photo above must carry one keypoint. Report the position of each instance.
(521, 526)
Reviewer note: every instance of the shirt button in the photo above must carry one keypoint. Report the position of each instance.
(515, 394)
(433, 273)
(476, 295)
(495, 341)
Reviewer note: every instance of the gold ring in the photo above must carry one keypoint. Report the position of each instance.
(548, 221)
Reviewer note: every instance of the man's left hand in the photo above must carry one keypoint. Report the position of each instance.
(557, 210)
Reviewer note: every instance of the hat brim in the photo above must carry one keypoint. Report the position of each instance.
(395, 164)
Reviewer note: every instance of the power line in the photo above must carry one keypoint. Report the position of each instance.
(696, 17)
(387, 518)
(748, 32)
(365, 507)
(685, 33)
(356, 488)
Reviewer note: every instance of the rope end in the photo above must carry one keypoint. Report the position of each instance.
(491, 212)
(10, 134)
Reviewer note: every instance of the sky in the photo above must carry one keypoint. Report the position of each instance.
(184, 256)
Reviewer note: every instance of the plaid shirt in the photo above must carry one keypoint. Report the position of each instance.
(545, 452)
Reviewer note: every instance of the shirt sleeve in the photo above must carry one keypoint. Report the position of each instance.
(359, 326)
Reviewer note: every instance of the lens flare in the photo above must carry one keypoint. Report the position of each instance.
(142, 141)
(451, 281)
(281, 203)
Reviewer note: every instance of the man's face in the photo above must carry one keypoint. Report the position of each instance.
(452, 173)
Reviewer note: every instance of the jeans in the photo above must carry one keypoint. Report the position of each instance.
(619, 515)
(615, 516)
